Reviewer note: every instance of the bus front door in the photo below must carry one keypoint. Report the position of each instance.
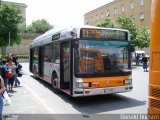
(65, 65)
(40, 62)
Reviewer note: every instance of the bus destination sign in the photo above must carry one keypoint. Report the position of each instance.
(104, 34)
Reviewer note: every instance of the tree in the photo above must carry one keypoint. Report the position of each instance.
(39, 26)
(142, 39)
(107, 22)
(128, 23)
(10, 20)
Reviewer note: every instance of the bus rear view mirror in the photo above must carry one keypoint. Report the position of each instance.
(132, 48)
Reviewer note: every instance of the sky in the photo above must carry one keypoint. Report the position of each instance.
(59, 12)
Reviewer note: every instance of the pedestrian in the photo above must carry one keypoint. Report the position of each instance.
(2, 89)
(15, 60)
(137, 59)
(4, 69)
(0, 67)
(12, 68)
(145, 61)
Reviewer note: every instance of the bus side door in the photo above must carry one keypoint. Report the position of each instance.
(40, 63)
(65, 65)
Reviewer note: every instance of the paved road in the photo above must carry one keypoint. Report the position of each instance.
(37, 97)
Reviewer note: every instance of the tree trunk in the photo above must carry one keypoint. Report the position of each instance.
(3, 50)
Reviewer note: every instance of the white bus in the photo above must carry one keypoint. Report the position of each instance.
(83, 61)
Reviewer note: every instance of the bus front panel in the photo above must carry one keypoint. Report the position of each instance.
(101, 67)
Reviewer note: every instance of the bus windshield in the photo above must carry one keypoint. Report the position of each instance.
(97, 56)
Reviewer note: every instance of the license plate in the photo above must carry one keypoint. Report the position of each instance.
(108, 91)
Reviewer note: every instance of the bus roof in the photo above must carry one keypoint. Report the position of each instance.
(65, 33)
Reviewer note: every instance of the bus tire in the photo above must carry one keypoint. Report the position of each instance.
(55, 83)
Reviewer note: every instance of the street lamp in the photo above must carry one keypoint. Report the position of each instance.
(9, 41)
(0, 2)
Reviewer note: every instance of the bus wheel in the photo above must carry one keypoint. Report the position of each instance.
(55, 83)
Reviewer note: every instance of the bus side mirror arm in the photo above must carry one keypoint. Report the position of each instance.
(132, 48)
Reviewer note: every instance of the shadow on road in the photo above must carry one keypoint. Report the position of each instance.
(97, 104)
(105, 103)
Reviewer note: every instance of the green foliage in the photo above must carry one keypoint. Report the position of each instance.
(128, 23)
(6, 57)
(107, 22)
(22, 56)
(10, 19)
(39, 26)
(142, 39)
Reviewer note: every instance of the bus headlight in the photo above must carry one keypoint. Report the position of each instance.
(130, 77)
(79, 84)
(128, 82)
(86, 84)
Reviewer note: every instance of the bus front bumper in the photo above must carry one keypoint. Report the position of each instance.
(101, 91)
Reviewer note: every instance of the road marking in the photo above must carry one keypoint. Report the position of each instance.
(39, 99)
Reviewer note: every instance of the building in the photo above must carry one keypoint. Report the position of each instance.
(139, 9)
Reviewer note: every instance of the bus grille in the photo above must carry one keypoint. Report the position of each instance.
(155, 103)
(155, 92)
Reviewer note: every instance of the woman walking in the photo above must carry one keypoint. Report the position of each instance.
(12, 68)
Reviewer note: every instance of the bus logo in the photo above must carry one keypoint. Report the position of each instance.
(95, 85)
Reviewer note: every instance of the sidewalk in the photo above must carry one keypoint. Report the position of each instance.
(15, 97)
(26, 102)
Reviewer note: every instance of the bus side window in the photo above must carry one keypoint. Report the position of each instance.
(35, 54)
(55, 53)
(47, 53)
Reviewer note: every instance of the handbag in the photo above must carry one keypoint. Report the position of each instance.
(19, 74)
(6, 99)
(9, 74)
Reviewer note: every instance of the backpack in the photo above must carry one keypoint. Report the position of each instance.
(5, 72)
(8, 74)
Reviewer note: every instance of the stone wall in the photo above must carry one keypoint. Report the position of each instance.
(23, 48)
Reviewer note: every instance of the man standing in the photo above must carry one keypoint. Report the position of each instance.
(137, 59)
(145, 61)
(15, 60)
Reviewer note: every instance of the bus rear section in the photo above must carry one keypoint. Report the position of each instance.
(154, 72)
(101, 67)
